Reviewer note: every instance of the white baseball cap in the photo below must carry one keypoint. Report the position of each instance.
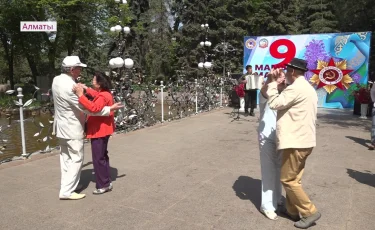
(72, 61)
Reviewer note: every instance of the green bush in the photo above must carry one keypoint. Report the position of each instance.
(7, 101)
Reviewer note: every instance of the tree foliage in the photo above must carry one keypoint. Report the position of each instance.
(165, 34)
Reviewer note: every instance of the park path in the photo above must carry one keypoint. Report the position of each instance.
(201, 172)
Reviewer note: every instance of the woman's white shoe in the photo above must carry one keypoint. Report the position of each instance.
(269, 214)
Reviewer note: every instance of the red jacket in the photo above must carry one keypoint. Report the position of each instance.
(98, 126)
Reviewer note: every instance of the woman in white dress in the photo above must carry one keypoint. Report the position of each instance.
(270, 158)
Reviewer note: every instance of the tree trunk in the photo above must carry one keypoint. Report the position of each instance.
(31, 61)
(33, 68)
(8, 48)
(11, 67)
(52, 46)
(71, 42)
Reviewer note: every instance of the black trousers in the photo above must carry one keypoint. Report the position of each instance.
(250, 100)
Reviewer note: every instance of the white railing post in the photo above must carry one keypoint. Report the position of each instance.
(162, 100)
(209, 98)
(221, 92)
(196, 96)
(20, 96)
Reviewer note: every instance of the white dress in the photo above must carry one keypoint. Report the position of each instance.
(270, 158)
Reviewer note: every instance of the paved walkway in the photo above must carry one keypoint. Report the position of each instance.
(197, 173)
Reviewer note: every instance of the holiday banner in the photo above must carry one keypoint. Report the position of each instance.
(336, 61)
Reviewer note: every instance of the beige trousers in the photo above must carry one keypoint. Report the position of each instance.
(71, 160)
(293, 165)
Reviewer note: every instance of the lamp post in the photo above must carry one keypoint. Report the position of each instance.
(206, 64)
(117, 61)
(225, 48)
(180, 75)
(120, 62)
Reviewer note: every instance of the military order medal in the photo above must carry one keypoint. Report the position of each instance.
(331, 75)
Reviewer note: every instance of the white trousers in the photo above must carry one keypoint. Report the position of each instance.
(270, 163)
(71, 161)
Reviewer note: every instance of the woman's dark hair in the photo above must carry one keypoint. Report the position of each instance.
(103, 81)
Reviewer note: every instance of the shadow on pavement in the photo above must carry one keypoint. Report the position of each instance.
(248, 188)
(360, 141)
(87, 175)
(366, 177)
(343, 119)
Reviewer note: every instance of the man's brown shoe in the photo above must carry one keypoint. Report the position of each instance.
(74, 196)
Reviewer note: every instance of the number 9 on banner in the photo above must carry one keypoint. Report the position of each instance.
(286, 56)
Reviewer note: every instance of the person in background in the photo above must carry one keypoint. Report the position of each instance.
(270, 158)
(99, 129)
(68, 125)
(252, 82)
(372, 94)
(296, 109)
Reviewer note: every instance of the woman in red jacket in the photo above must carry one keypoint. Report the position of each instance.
(99, 128)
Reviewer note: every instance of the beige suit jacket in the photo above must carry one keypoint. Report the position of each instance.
(69, 117)
(296, 109)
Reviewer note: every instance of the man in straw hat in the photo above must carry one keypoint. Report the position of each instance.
(69, 120)
(296, 109)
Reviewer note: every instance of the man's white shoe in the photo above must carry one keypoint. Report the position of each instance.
(269, 214)
(73, 196)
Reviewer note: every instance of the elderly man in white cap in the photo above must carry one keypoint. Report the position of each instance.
(69, 126)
